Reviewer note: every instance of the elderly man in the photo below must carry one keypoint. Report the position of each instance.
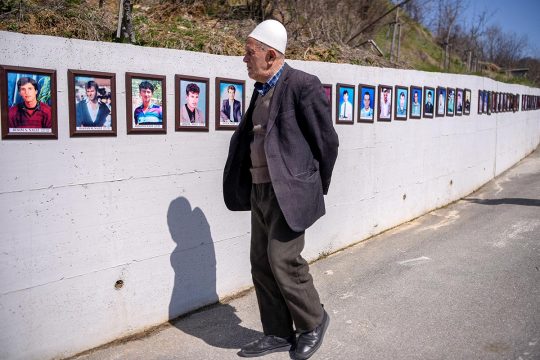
(280, 163)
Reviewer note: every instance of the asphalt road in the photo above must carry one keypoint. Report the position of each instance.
(462, 282)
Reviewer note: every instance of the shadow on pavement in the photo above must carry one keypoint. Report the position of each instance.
(194, 264)
(503, 201)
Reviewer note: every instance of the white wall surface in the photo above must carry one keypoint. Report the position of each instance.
(78, 214)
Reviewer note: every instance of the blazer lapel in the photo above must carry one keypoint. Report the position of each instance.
(275, 104)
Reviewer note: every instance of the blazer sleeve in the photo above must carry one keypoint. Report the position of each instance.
(317, 127)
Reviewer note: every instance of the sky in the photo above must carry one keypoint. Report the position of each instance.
(518, 16)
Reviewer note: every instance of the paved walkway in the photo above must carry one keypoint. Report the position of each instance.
(462, 282)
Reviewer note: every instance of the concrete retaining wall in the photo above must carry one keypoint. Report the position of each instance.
(79, 214)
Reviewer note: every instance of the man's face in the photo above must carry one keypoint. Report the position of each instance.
(366, 101)
(29, 93)
(385, 96)
(231, 94)
(146, 95)
(345, 97)
(255, 59)
(415, 97)
(91, 93)
(402, 100)
(429, 97)
(192, 100)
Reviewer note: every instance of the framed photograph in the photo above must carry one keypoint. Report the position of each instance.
(441, 101)
(480, 101)
(230, 100)
(467, 102)
(344, 104)
(146, 108)
(429, 100)
(450, 101)
(459, 102)
(488, 102)
(328, 92)
(191, 100)
(28, 98)
(92, 103)
(384, 105)
(366, 103)
(401, 101)
(415, 106)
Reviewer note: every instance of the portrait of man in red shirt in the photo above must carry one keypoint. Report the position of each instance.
(29, 113)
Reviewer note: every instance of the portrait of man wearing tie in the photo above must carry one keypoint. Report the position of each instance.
(345, 103)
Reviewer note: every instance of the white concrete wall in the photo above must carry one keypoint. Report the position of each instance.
(78, 214)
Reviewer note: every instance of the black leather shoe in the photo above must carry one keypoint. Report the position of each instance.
(309, 342)
(266, 345)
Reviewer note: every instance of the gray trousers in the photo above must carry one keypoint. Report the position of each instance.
(284, 287)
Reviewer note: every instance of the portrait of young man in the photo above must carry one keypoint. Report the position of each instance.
(429, 98)
(401, 103)
(91, 112)
(279, 167)
(346, 107)
(416, 103)
(149, 112)
(367, 96)
(231, 103)
(29, 112)
(385, 103)
(441, 101)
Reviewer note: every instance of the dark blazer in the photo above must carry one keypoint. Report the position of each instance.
(301, 148)
(83, 116)
(226, 110)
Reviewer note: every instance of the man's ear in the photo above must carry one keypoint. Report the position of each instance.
(271, 55)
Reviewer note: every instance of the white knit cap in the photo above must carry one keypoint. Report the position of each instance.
(271, 33)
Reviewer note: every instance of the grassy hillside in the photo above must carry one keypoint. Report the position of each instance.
(213, 29)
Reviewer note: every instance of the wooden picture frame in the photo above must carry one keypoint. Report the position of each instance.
(401, 102)
(224, 88)
(28, 102)
(384, 102)
(441, 102)
(450, 101)
(328, 92)
(366, 115)
(429, 107)
(467, 100)
(345, 104)
(480, 102)
(458, 109)
(185, 118)
(416, 102)
(150, 89)
(87, 89)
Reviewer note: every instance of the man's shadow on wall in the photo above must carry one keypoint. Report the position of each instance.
(194, 264)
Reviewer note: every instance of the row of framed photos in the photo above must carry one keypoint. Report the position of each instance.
(399, 102)
(494, 102)
(28, 107)
(29, 104)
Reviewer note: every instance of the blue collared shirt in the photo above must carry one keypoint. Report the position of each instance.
(264, 88)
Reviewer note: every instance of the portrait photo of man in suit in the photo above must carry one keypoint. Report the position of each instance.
(91, 112)
(279, 167)
(231, 108)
